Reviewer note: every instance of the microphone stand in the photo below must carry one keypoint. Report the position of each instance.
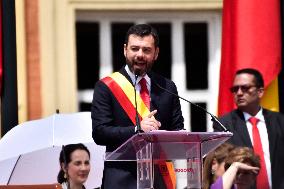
(214, 119)
(137, 120)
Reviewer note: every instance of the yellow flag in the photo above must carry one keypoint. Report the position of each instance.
(270, 100)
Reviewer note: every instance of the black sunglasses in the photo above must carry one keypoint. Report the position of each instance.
(244, 88)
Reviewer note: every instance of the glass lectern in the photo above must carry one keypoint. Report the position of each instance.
(185, 149)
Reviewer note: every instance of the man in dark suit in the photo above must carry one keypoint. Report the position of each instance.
(248, 89)
(113, 114)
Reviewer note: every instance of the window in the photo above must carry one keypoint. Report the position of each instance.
(189, 55)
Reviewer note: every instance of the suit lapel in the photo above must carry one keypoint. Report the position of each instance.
(123, 72)
(154, 89)
(240, 127)
(155, 95)
(272, 137)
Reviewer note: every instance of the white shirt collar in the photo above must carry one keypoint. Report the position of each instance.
(259, 115)
(132, 76)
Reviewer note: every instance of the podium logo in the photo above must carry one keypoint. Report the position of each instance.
(185, 170)
(164, 170)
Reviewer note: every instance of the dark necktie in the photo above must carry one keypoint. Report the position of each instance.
(262, 178)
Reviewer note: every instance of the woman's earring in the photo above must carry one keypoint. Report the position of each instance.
(212, 171)
(65, 175)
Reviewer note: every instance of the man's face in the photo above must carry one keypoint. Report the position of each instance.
(140, 53)
(246, 95)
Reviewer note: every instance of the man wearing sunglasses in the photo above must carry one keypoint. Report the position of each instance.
(256, 127)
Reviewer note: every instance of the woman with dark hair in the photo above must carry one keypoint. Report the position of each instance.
(74, 166)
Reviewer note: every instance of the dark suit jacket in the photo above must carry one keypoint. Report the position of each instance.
(235, 123)
(112, 126)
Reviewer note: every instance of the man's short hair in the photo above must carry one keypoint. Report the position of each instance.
(142, 30)
(257, 75)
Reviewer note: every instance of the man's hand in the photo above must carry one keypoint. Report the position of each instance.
(149, 122)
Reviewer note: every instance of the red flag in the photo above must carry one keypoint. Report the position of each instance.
(251, 38)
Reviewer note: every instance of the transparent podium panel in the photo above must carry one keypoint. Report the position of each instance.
(163, 153)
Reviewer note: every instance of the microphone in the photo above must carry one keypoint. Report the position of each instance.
(214, 119)
(137, 120)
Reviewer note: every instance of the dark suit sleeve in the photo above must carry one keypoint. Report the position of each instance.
(275, 129)
(217, 127)
(227, 122)
(110, 124)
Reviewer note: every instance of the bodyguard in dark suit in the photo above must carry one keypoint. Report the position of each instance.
(112, 123)
(248, 89)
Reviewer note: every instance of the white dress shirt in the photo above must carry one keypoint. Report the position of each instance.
(263, 137)
(137, 86)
